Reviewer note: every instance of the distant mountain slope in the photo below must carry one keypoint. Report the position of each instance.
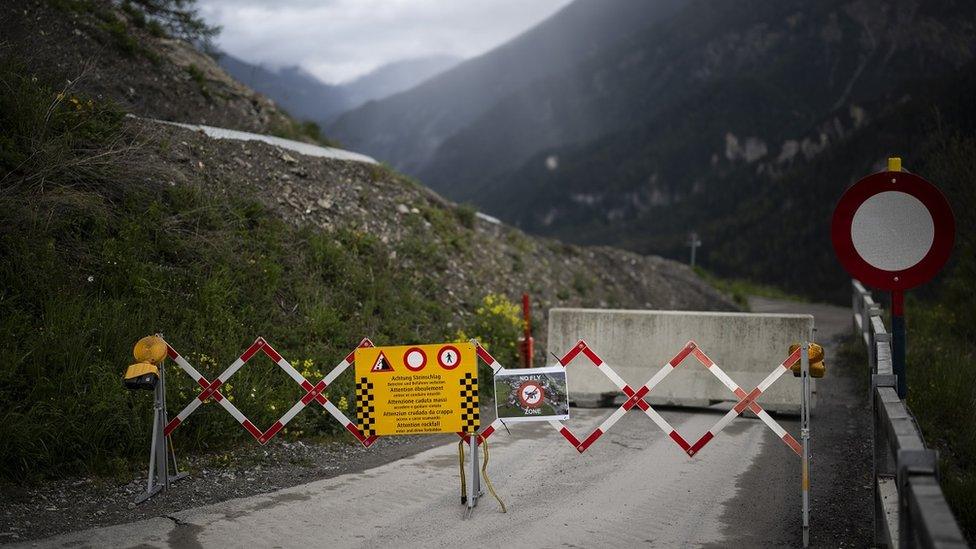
(407, 129)
(396, 77)
(300, 93)
(305, 96)
(733, 100)
(764, 72)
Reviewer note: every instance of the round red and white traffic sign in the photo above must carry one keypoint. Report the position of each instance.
(449, 357)
(415, 359)
(893, 230)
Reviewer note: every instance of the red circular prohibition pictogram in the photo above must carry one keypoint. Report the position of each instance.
(942, 227)
(530, 394)
(448, 357)
(415, 359)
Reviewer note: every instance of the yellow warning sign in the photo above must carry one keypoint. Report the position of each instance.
(417, 389)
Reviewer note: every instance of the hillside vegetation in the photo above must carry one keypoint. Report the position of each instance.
(114, 227)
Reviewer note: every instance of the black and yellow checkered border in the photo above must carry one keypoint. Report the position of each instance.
(365, 410)
(470, 414)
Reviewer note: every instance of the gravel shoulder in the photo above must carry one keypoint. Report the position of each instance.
(840, 463)
(83, 502)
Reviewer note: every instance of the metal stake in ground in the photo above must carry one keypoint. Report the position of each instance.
(805, 439)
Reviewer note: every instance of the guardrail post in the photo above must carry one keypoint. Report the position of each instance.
(911, 462)
(882, 464)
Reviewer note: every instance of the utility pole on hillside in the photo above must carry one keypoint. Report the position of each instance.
(694, 242)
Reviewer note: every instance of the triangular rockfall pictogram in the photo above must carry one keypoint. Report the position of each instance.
(382, 364)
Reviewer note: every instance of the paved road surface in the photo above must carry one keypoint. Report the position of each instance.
(632, 487)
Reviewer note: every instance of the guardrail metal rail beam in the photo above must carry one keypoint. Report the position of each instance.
(910, 509)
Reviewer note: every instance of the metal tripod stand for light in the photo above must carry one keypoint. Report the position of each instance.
(162, 447)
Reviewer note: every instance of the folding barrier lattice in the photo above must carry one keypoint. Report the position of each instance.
(635, 397)
(211, 389)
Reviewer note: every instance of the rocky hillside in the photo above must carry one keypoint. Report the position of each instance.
(116, 54)
(113, 227)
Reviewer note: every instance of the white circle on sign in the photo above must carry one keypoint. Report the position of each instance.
(415, 359)
(892, 231)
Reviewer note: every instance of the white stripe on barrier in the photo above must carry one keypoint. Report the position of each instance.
(231, 370)
(724, 378)
(771, 378)
(660, 375)
(614, 378)
(659, 420)
(291, 371)
(771, 423)
(292, 412)
(336, 372)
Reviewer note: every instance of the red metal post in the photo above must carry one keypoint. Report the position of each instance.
(527, 342)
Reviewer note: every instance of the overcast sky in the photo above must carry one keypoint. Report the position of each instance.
(338, 40)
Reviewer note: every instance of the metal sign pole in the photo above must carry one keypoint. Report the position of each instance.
(805, 439)
(474, 488)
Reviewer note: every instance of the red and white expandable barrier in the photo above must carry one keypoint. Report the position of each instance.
(635, 397)
(211, 389)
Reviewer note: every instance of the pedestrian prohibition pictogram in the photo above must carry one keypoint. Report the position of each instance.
(400, 392)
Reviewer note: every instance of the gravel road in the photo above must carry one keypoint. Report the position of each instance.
(632, 487)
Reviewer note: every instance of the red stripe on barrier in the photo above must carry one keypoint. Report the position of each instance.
(589, 440)
(314, 392)
(791, 360)
(643, 405)
(210, 390)
(792, 443)
(740, 393)
(270, 433)
(680, 440)
(748, 401)
(173, 424)
(272, 354)
(682, 354)
(596, 360)
(568, 435)
(365, 441)
(171, 352)
(577, 349)
(255, 432)
(307, 385)
(484, 355)
(255, 347)
(203, 382)
(701, 443)
(635, 398)
(703, 358)
(486, 433)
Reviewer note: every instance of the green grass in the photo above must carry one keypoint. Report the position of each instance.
(739, 290)
(94, 255)
(941, 329)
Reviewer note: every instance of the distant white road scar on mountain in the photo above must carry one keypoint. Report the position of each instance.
(296, 146)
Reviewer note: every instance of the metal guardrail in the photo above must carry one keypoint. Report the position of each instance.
(910, 509)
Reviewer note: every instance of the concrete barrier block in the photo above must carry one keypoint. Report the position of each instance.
(636, 344)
